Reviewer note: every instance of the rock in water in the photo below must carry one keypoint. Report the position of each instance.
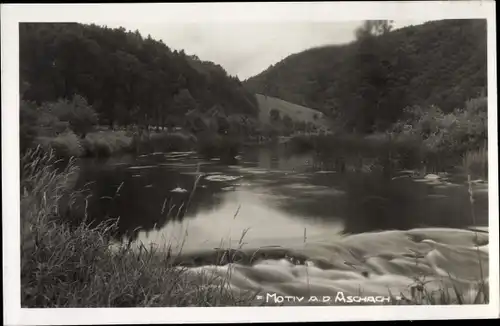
(179, 190)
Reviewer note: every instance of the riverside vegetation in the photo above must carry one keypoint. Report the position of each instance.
(66, 101)
(408, 93)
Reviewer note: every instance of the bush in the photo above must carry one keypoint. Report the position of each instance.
(28, 125)
(445, 137)
(301, 144)
(77, 113)
(64, 145)
(162, 142)
(167, 142)
(213, 145)
(106, 143)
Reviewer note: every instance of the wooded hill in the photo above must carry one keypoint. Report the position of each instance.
(127, 78)
(369, 82)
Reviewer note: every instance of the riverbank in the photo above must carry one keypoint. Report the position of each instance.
(422, 138)
(65, 266)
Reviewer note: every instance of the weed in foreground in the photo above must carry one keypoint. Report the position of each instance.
(63, 266)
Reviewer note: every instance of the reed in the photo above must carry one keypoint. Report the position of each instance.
(475, 162)
(65, 266)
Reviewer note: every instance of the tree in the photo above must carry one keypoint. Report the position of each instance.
(287, 123)
(372, 70)
(418, 64)
(373, 28)
(274, 115)
(28, 124)
(126, 78)
(183, 103)
(79, 115)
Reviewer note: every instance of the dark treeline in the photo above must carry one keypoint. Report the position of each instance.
(128, 79)
(367, 84)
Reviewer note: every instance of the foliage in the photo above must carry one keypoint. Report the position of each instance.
(107, 143)
(365, 85)
(75, 113)
(28, 125)
(163, 142)
(64, 145)
(214, 145)
(287, 123)
(274, 115)
(423, 137)
(127, 78)
(456, 132)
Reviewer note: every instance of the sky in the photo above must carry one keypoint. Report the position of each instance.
(246, 49)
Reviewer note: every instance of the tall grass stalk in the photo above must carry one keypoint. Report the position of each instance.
(475, 162)
(476, 240)
(65, 265)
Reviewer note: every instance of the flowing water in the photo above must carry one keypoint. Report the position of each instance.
(297, 225)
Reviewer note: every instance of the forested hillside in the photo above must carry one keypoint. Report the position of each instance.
(368, 83)
(126, 78)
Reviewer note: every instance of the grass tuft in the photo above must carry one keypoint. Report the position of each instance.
(78, 266)
(475, 162)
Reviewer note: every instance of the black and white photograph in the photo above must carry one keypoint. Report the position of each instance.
(248, 155)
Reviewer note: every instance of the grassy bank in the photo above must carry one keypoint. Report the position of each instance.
(74, 266)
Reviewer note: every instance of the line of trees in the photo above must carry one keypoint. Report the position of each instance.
(287, 126)
(126, 78)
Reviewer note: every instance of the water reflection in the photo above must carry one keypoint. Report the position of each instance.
(277, 196)
(244, 218)
(143, 198)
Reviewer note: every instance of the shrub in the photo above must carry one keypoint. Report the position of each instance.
(166, 142)
(213, 145)
(162, 142)
(106, 143)
(445, 137)
(79, 115)
(64, 145)
(28, 125)
(301, 144)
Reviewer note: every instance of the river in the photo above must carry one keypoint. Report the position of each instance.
(317, 230)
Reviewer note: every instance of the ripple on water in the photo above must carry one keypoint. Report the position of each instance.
(221, 178)
(140, 167)
(254, 170)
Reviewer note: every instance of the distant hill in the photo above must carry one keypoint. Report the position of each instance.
(439, 63)
(297, 113)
